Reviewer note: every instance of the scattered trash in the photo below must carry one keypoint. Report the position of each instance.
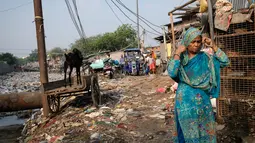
(95, 136)
(161, 90)
(55, 139)
(157, 116)
(93, 114)
(220, 127)
(90, 110)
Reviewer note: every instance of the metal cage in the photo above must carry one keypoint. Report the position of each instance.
(237, 95)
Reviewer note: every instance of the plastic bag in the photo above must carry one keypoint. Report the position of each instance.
(203, 6)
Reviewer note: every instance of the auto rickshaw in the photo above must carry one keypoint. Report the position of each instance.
(134, 61)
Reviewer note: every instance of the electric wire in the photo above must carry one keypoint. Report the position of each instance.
(73, 18)
(78, 17)
(16, 7)
(138, 16)
(113, 12)
(131, 19)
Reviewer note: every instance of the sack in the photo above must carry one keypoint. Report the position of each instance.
(115, 62)
(203, 6)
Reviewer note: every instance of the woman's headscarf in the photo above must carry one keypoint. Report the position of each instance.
(188, 37)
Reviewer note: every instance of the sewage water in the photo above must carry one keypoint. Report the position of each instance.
(11, 120)
(10, 129)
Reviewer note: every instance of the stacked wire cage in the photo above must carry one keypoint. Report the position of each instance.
(237, 95)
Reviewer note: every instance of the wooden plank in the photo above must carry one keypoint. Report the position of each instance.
(177, 8)
(54, 85)
(235, 34)
(180, 13)
(211, 22)
(172, 29)
(242, 56)
(184, 9)
(241, 78)
(193, 10)
(59, 86)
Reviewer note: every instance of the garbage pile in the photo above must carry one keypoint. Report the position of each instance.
(23, 81)
(132, 111)
(31, 66)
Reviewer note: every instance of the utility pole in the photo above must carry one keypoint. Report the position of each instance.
(41, 50)
(138, 33)
(40, 41)
(142, 42)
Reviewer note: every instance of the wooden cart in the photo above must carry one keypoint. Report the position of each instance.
(56, 90)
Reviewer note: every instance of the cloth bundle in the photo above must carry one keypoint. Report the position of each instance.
(223, 14)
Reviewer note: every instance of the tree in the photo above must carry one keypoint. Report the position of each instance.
(123, 37)
(126, 36)
(8, 58)
(33, 56)
(22, 61)
(55, 52)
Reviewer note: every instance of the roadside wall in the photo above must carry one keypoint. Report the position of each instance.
(114, 55)
(5, 68)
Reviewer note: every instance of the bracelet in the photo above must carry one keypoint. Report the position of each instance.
(177, 55)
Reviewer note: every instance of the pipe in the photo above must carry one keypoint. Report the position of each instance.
(20, 101)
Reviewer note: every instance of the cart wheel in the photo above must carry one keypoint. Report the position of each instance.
(95, 91)
(54, 103)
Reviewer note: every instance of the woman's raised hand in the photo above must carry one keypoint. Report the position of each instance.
(208, 42)
(180, 49)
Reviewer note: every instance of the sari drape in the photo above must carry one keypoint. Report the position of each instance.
(198, 81)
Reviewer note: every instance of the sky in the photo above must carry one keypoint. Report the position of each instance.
(17, 29)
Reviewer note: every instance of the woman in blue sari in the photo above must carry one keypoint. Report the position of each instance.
(198, 76)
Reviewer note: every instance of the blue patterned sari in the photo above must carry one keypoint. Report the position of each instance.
(198, 81)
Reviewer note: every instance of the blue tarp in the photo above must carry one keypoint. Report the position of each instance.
(100, 64)
(97, 65)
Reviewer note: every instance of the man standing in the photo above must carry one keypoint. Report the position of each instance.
(122, 63)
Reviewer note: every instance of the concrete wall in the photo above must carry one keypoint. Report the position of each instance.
(114, 55)
(5, 68)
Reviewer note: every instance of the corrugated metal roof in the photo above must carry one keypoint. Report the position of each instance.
(238, 4)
